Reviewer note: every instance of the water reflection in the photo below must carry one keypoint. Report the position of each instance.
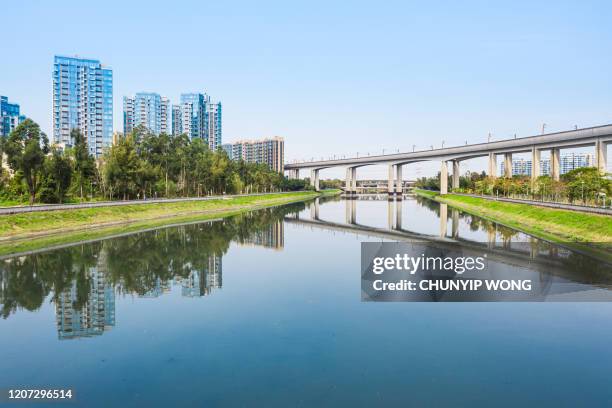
(471, 232)
(83, 280)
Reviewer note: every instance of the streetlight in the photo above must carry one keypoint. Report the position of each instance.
(413, 147)
(489, 138)
(443, 144)
(543, 127)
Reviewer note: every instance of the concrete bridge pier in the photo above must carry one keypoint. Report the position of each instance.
(492, 171)
(390, 185)
(601, 155)
(508, 165)
(455, 174)
(399, 183)
(354, 181)
(555, 163)
(314, 179)
(444, 178)
(348, 184)
(536, 158)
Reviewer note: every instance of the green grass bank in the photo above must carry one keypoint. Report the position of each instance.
(562, 226)
(29, 231)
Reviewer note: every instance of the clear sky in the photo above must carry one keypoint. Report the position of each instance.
(332, 77)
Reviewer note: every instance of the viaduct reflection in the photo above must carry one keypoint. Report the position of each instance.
(83, 280)
(502, 244)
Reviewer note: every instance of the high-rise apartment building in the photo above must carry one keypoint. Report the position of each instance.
(83, 99)
(199, 118)
(194, 116)
(177, 123)
(229, 149)
(568, 162)
(214, 125)
(9, 116)
(146, 109)
(269, 151)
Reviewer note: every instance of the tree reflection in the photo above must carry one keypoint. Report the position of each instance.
(140, 263)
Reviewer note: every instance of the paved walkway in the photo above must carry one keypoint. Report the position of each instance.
(561, 206)
(56, 207)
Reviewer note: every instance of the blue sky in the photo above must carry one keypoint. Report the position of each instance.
(333, 77)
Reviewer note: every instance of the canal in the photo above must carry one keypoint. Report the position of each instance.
(265, 309)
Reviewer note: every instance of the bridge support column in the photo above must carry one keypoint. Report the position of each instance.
(314, 179)
(444, 178)
(348, 184)
(555, 163)
(399, 182)
(536, 158)
(455, 174)
(492, 165)
(508, 165)
(297, 174)
(601, 156)
(354, 180)
(390, 186)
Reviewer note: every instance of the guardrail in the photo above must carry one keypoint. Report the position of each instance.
(549, 204)
(57, 207)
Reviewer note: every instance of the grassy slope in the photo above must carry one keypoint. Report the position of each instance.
(551, 224)
(21, 232)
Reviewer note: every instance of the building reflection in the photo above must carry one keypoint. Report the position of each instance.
(271, 237)
(202, 282)
(84, 280)
(92, 317)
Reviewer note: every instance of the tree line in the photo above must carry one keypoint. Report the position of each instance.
(140, 165)
(584, 185)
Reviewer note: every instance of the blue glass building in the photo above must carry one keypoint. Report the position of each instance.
(194, 116)
(9, 116)
(199, 118)
(146, 109)
(83, 99)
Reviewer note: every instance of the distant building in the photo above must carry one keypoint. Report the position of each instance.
(9, 116)
(228, 148)
(83, 99)
(268, 151)
(214, 125)
(568, 162)
(177, 123)
(199, 118)
(146, 109)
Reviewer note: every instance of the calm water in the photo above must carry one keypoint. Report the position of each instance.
(264, 309)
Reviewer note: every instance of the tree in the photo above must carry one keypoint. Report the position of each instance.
(121, 165)
(586, 183)
(84, 164)
(57, 175)
(26, 148)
